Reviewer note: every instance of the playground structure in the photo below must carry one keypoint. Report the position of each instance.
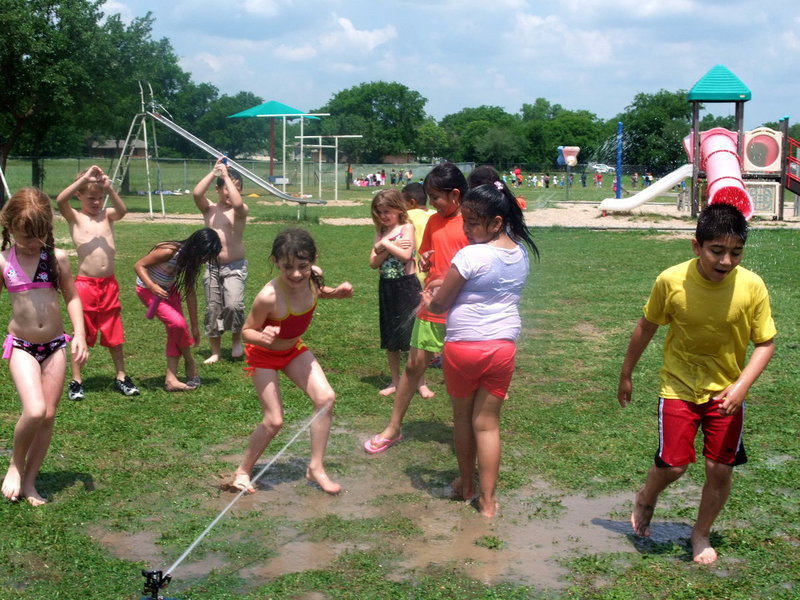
(152, 111)
(749, 169)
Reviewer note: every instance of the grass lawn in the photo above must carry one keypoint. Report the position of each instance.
(143, 474)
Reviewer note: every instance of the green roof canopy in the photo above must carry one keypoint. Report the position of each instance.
(719, 85)
(271, 109)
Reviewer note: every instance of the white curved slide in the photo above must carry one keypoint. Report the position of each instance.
(660, 187)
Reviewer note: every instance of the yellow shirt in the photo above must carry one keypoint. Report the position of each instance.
(710, 326)
(419, 218)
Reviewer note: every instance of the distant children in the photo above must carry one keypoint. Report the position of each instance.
(481, 293)
(444, 236)
(393, 252)
(92, 231)
(418, 214)
(34, 273)
(225, 280)
(164, 275)
(280, 315)
(714, 308)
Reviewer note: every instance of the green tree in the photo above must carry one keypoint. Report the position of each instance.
(234, 136)
(654, 126)
(431, 141)
(388, 115)
(468, 127)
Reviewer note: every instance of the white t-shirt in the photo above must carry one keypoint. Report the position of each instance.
(486, 307)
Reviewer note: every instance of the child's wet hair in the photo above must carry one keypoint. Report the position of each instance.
(87, 186)
(236, 178)
(416, 192)
(31, 212)
(446, 177)
(296, 243)
(720, 220)
(202, 247)
(392, 199)
(494, 199)
(482, 175)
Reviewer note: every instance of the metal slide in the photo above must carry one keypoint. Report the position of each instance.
(656, 189)
(217, 154)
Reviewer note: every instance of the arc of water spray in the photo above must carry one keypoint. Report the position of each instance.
(266, 467)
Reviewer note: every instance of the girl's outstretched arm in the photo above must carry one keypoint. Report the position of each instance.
(78, 348)
(343, 290)
(191, 308)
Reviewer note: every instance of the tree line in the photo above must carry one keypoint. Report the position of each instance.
(69, 76)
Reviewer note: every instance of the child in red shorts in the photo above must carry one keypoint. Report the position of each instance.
(714, 309)
(92, 231)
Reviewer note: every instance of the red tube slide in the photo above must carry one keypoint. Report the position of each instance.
(720, 161)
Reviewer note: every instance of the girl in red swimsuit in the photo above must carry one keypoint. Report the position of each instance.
(34, 273)
(281, 313)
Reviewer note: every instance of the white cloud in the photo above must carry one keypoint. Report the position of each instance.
(351, 39)
(264, 8)
(112, 7)
(295, 53)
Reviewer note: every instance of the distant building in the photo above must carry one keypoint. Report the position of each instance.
(112, 148)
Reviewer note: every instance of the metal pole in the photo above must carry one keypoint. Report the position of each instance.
(335, 168)
(619, 159)
(301, 156)
(319, 172)
(284, 153)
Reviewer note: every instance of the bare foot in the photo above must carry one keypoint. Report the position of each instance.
(322, 480)
(241, 481)
(237, 350)
(212, 359)
(425, 392)
(459, 493)
(12, 484)
(641, 516)
(177, 386)
(388, 390)
(33, 497)
(488, 509)
(702, 552)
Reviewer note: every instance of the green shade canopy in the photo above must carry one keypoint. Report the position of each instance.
(271, 109)
(719, 85)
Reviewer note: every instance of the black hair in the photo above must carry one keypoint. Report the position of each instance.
(296, 243)
(490, 200)
(415, 191)
(481, 175)
(720, 220)
(202, 247)
(235, 177)
(446, 177)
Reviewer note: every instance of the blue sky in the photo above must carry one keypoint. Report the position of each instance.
(582, 54)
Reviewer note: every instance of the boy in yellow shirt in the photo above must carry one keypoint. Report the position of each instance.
(714, 309)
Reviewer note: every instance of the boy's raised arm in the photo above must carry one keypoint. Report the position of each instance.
(640, 338)
(199, 192)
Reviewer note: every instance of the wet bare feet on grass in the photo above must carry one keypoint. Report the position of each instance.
(702, 552)
(641, 516)
(388, 390)
(178, 386)
(241, 483)
(459, 493)
(211, 359)
(487, 508)
(33, 497)
(237, 350)
(321, 478)
(425, 392)
(12, 485)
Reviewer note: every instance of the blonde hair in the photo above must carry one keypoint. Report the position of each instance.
(30, 211)
(88, 186)
(391, 199)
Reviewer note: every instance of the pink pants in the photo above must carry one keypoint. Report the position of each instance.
(170, 312)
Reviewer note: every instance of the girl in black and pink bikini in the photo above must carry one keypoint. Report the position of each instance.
(34, 273)
(280, 315)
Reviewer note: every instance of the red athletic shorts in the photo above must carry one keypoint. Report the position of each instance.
(101, 310)
(259, 357)
(469, 366)
(678, 422)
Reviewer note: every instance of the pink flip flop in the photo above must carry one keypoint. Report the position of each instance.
(377, 444)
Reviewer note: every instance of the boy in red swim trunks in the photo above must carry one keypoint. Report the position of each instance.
(92, 231)
(714, 309)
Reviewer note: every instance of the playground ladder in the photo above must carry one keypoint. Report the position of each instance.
(793, 167)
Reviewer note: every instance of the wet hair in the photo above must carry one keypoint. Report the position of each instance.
(415, 191)
(88, 186)
(235, 178)
(491, 200)
(202, 247)
(481, 175)
(720, 220)
(30, 211)
(296, 243)
(391, 199)
(446, 177)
